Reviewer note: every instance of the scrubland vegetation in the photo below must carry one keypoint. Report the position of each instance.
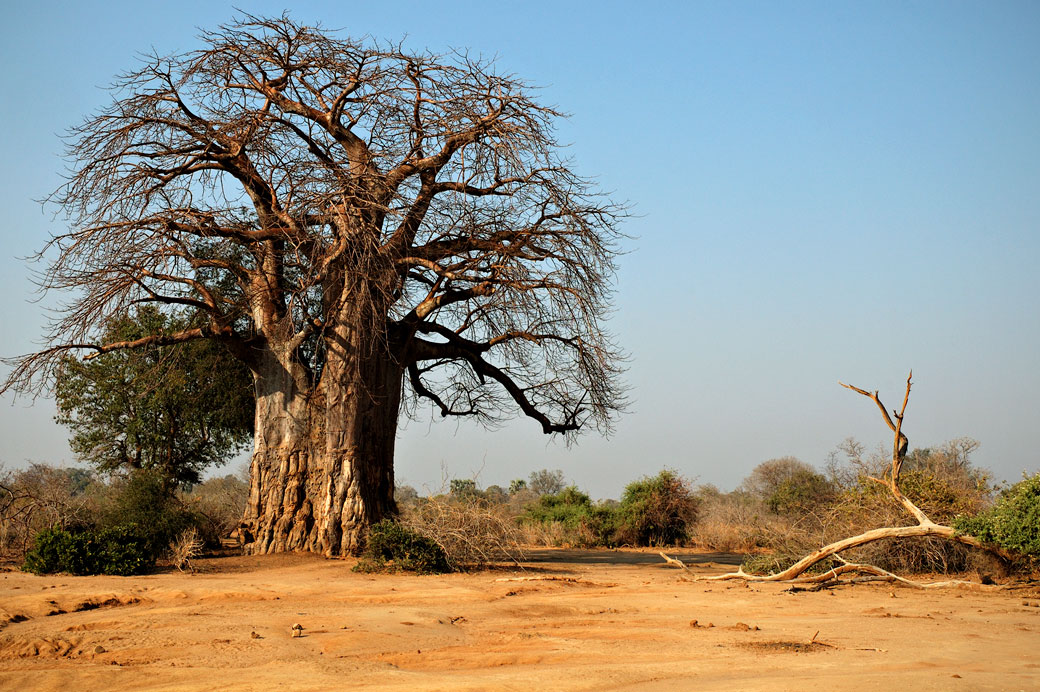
(78, 521)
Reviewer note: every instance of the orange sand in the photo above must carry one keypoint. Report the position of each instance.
(601, 627)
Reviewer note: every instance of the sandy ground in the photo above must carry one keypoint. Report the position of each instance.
(571, 627)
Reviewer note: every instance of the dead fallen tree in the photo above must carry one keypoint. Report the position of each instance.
(925, 527)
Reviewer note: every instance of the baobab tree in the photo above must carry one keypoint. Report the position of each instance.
(366, 228)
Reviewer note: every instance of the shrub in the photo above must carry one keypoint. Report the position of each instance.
(471, 531)
(186, 548)
(53, 551)
(118, 550)
(568, 506)
(394, 547)
(146, 501)
(657, 510)
(1013, 523)
(800, 492)
(569, 517)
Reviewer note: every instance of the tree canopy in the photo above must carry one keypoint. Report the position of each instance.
(366, 228)
(174, 409)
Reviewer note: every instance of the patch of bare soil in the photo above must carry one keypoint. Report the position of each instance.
(559, 625)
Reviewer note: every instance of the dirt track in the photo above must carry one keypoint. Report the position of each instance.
(554, 626)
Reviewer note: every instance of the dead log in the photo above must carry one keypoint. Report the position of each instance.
(924, 527)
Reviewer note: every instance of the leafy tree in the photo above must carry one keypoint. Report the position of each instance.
(495, 494)
(766, 478)
(516, 485)
(567, 506)
(171, 409)
(657, 510)
(802, 491)
(546, 482)
(365, 228)
(463, 487)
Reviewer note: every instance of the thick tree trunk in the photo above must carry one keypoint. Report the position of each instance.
(285, 471)
(362, 389)
(361, 415)
(322, 469)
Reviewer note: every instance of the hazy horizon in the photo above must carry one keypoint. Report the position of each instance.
(822, 192)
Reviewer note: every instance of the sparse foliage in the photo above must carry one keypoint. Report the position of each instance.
(42, 497)
(217, 504)
(472, 532)
(184, 548)
(355, 222)
(546, 482)
(405, 494)
(735, 522)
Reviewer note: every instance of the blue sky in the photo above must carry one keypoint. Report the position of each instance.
(823, 191)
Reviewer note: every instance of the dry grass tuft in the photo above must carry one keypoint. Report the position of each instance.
(184, 548)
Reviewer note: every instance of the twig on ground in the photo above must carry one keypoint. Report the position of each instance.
(673, 561)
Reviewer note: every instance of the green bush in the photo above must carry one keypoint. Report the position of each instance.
(568, 506)
(657, 510)
(53, 549)
(801, 492)
(393, 547)
(133, 527)
(119, 550)
(1013, 523)
(583, 522)
(146, 500)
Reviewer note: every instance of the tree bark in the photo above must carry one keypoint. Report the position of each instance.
(362, 381)
(322, 469)
(285, 469)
